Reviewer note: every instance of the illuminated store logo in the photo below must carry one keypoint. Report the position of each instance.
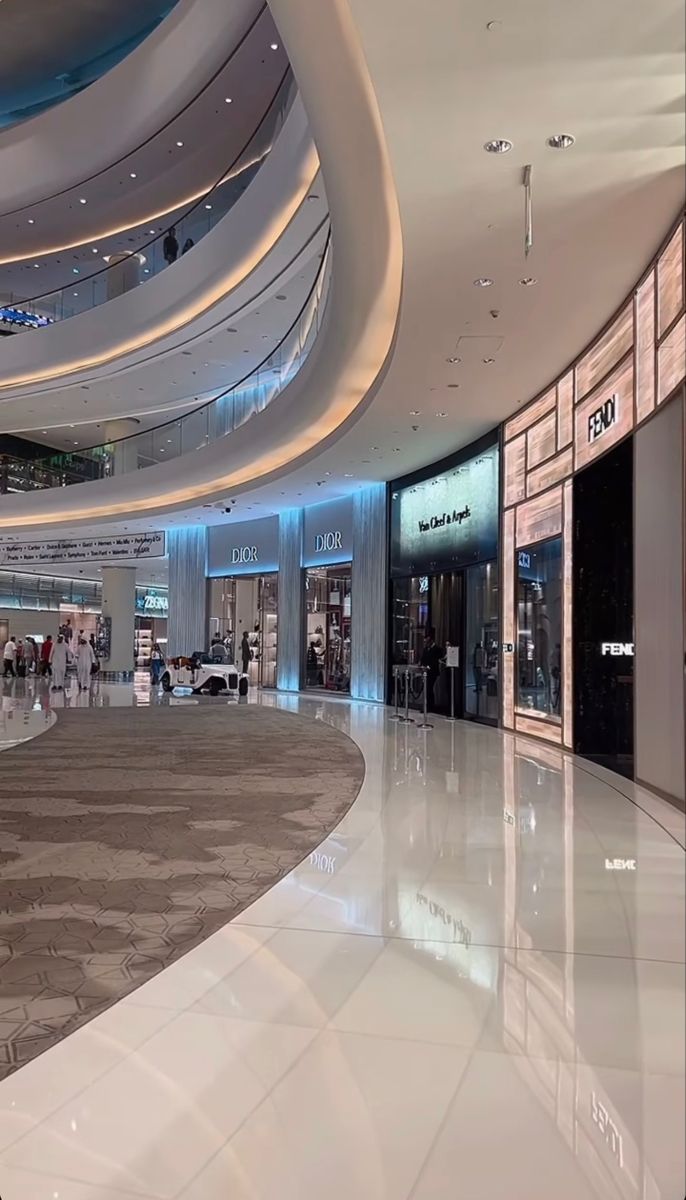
(524, 559)
(603, 418)
(617, 649)
(325, 542)
(423, 584)
(620, 864)
(155, 603)
(437, 522)
(244, 554)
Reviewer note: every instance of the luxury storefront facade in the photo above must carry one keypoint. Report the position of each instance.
(444, 578)
(592, 544)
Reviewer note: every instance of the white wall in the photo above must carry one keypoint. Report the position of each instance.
(659, 600)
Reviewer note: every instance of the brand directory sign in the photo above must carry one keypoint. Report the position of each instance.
(101, 549)
(447, 521)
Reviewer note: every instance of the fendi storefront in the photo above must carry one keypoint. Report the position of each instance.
(592, 544)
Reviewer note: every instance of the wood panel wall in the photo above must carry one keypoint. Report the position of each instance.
(639, 360)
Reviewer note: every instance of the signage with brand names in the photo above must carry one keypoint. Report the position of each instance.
(245, 554)
(152, 602)
(620, 864)
(328, 533)
(617, 649)
(105, 549)
(603, 418)
(524, 559)
(448, 520)
(328, 541)
(243, 547)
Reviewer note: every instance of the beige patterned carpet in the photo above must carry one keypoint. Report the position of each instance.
(129, 835)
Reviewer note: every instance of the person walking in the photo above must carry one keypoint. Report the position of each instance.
(170, 246)
(9, 655)
(156, 664)
(58, 662)
(246, 652)
(21, 661)
(46, 656)
(30, 655)
(85, 661)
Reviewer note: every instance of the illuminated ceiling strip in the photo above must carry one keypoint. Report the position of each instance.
(253, 255)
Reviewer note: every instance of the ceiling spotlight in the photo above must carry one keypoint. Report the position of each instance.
(347, 475)
(36, 266)
(208, 206)
(95, 249)
(441, 414)
(228, 100)
(561, 141)
(179, 144)
(528, 281)
(483, 281)
(414, 412)
(75, 293)
(493, 26)
(274, 46)
(82, 200)
(486, 361)
(453, 360)
(498, 146)
(151, 231)
(31, 221)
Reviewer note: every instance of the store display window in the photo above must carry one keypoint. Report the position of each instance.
(328, 614)
(410, 617)
(482, 642)
(247, 603)
(539, 627)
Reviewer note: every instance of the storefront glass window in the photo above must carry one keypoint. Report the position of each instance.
(481, 666)
(328, 605)
(539, 627)
(247, 603)
(410, 617)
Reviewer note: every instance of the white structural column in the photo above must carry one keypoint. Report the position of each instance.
(188, 619)
(290, 623)
(368, 637)
(119, 434)
(119, 604)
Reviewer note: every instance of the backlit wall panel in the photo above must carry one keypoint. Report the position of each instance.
(633, 365)
(368, 641)
(187, 627)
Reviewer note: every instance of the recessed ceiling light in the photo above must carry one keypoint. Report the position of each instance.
(208, 206)
(75, 293)
(228, 100)
(486, 361)
(281, 296)
(75, 271)
(179, 144)
(347, 475)
(82, 200)
(453, 360)
(441, 414)
(36, 265)
(528, 281)
(274, 46)
(312, 196)
(561, 141)
(483, 281)
(31, 221)
(493, 26)
(151, 231)
(95, 249)
(498, 146)
(414, 412)
(146, 270)
(453, 385)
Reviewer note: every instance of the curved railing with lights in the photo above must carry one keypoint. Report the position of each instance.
(215, 419)
(130, 268)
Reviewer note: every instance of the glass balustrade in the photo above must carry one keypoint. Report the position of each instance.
(129, 267)
(217, 418)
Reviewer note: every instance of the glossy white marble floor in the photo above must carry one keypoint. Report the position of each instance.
(473, 990)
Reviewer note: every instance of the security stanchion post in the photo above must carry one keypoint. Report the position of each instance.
(452, 660)
(424, 724)
(396, 715)
(407, 719)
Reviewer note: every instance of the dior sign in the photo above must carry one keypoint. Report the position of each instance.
(244, 554)
(325, 542)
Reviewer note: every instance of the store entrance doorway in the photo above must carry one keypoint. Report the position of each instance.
(328, 613)
(247, 603)
(460, 608)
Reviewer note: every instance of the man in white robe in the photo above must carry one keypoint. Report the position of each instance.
(85, 660)
(58, 662)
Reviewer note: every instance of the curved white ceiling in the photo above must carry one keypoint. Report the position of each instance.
(130, 103)
(153, 317)
(612, 76)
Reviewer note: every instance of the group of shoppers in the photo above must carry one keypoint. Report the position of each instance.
(51, 658)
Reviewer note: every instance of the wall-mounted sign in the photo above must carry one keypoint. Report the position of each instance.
(152, 602)
(243, 547)
(620, 864)
(328, 533)
(447, 521)
(524, 559)
(120, 546)
(617, 649)
(103, 636)
(27, 320)
(603, 418)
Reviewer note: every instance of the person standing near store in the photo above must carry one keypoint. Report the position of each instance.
(85, 661)
(58, 663)
(246, 652)
(46, 655)
(156, 664)
(9, 655)
(431, 659)
(21, 661)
